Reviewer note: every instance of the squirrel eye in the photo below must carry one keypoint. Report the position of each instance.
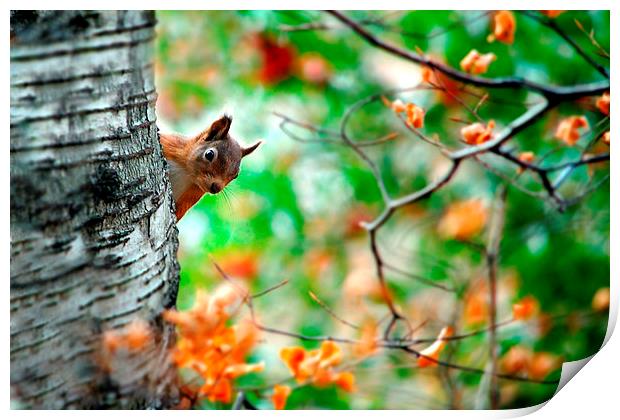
(210, 154)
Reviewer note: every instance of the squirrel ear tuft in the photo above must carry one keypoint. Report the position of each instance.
(219, 129)
(247, 150)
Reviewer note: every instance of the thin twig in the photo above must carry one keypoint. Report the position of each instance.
(476, 370)
(329, 311)
(551, 24)
(270, 289)
(492, 255)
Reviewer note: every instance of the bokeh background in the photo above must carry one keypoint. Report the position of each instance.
(295, 209)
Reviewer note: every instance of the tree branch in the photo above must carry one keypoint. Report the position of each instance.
(550, 92)
(492, 255)
(551, 24)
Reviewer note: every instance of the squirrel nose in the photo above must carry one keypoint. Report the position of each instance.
(215, 188)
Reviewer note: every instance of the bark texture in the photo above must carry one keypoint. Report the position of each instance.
(93, 235)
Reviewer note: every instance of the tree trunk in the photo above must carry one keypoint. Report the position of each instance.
(93, 235)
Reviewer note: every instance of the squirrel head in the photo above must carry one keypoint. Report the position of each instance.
(215, 157)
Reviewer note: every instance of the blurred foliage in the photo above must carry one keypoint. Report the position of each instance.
(295, 209)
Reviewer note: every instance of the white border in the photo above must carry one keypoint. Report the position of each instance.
(595, 391)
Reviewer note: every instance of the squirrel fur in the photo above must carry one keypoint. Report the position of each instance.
(202, 164)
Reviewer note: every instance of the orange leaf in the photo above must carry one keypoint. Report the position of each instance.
(527, 157)
(462, 220)
(330, 354)
(430, 355)
(476, 308)
(323, 377)
(600, 301)
(552, 14)
(292, 358)
(525, 308)
(477, 63)
(315, 364)
(345, 381)
(309, 366)
(206, 343)
(314, 68)
(606, 138)
(516, 360)
(427, 75)
(277, 59)
(602, 103)
(542, 364)
(568, 129)
(221, 391)
(504, 27)
(234, 371)
(415, 116)
(240, 264)
(280, 395)
(367, 346)
(478, 133)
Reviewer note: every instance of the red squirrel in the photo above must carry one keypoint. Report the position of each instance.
(205, 163)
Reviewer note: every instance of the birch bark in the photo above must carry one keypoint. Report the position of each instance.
(93, 234)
